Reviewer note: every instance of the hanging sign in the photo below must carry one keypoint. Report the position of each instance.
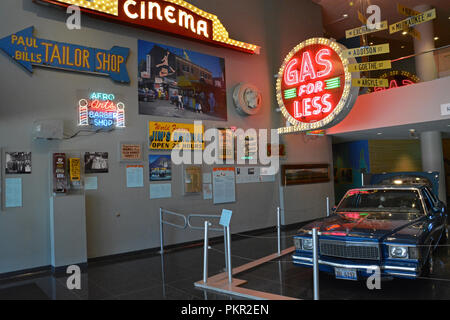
(406, 11)
(413, 21)
(370, 82)
(169, 16)
(383, 25)
(366, 51)
(370, 66)
(29, 51)
(102, 110)
(397, 79)
(314, 86)
(169, 135)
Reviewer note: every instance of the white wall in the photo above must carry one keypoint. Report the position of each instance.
(51, 94)
(416, 103)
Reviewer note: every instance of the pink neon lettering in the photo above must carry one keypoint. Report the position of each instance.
(324, 62)
(290, 75)
(326, 103)
(307, 68)
(306, 106)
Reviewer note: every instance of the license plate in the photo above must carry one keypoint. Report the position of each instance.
(346, 274)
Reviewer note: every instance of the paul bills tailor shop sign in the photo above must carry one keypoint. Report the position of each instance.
(176, 17)
(314, 86)
(29, 51)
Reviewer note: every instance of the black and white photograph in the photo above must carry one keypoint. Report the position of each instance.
(18, 163)
(96, 162)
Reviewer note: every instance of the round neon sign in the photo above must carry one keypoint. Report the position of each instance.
(314, 87)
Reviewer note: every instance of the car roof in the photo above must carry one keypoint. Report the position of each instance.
(393, 187)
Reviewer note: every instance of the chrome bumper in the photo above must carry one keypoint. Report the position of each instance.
(386, 268)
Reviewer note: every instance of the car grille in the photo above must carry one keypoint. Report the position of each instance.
(350, 250)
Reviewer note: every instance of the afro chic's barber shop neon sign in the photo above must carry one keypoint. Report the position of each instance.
(176, 17)
(101, 110)
(314, 86)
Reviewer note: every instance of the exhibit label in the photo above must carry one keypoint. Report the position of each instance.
(169, 135)
(29, 51)
(406, 11)
(367, 51)
(176, 17)
(413, 21)
(370, 82)
(314, 86)
(383, 25)
(370, 66)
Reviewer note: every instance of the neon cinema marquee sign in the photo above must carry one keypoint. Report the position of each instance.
(314, 86)
(176, 17)
(101, 110)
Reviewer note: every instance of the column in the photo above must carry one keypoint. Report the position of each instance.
(425, 64)
(433, 158)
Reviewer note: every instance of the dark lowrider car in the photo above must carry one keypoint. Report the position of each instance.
(395, 227)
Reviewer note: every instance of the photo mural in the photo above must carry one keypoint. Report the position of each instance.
(180, 83)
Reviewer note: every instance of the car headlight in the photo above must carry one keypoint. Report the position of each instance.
(303, 244)
(398, 252)
(307, 244)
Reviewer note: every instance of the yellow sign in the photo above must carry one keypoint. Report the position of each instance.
(370, 82)
(413, 21)
(369, 66)
(170, 135)
(75, 169)
(366, 51)
(383, 25)
(406, 11)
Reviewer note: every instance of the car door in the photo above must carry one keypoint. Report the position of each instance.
(435, 214)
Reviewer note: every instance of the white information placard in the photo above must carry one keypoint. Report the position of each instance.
(13, 192)
(160, 191)
(224, 185)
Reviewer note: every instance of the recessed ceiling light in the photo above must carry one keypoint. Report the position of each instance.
(379, 133)
(345, 15)
(404, 33)
(436, 38)
(403, 47)
(371, 43)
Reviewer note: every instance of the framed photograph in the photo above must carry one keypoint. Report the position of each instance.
(18, 162)
(96, 162)
(180, 83)
(160, 167)
(293, 174)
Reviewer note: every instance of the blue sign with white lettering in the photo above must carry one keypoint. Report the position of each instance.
(28, 51)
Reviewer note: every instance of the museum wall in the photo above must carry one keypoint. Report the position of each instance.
(120, 219)
(419, 103)
(394, 156)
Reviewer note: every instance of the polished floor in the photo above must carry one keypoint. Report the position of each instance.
(147, 277)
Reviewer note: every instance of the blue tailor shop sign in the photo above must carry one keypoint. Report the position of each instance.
(29, 51)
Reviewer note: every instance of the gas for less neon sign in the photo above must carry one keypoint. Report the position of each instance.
(313, 85)
(101, 110)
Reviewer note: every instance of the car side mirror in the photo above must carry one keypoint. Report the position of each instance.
(334, 209)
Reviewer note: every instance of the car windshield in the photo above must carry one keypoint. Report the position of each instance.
(379, 200)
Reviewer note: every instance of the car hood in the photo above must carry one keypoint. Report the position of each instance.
(374, 225)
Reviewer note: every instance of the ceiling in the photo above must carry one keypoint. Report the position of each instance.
(396, 133)
(335, 23)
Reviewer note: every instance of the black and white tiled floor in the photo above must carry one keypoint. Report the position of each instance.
(172, 278)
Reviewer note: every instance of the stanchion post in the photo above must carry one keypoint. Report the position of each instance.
(278, 230)
(315, 262)
(328, 206)
(205, 253)
(225, 244)
(161, 233)
(230, 277)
